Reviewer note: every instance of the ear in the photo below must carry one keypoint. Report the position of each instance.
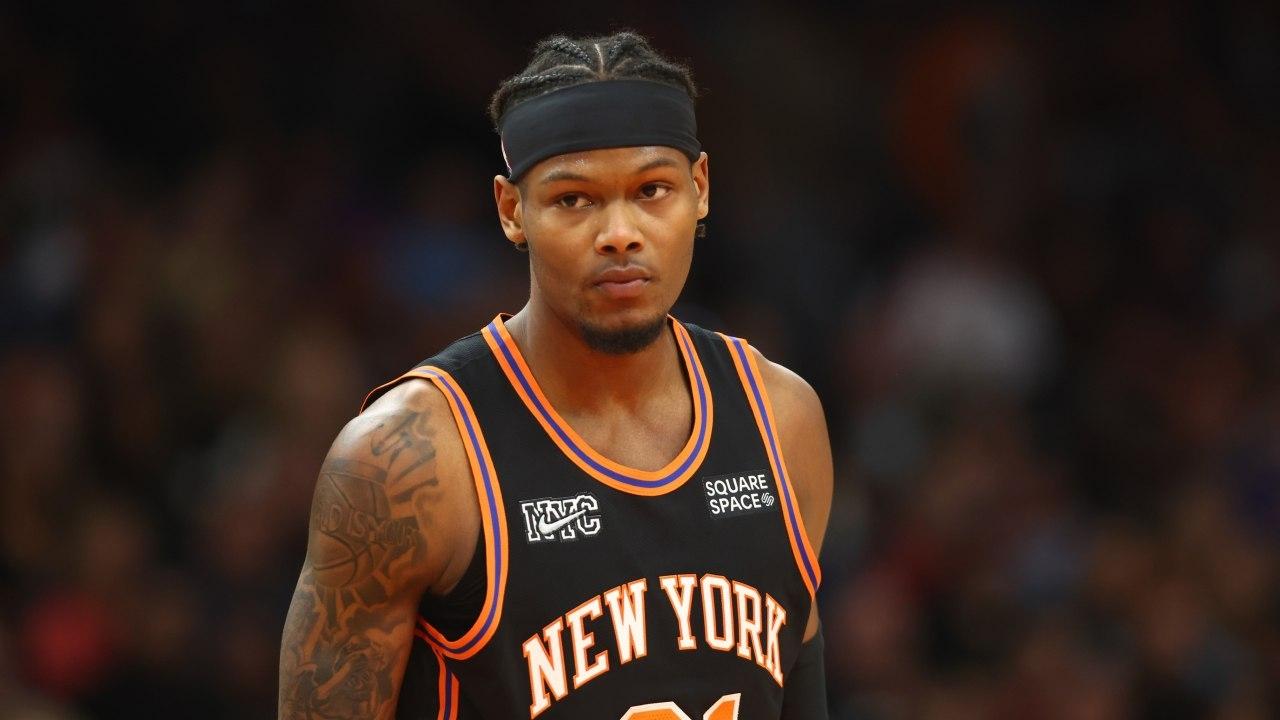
(702, 181)
(507, 197)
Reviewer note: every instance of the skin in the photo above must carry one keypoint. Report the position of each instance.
(350, 626)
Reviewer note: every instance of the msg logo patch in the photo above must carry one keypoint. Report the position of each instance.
(739, 494)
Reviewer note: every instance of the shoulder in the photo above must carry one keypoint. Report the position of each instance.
(796, 404)
(409, 394)
(806, 446)
(792, 398)
(408, 425)
(408, 454)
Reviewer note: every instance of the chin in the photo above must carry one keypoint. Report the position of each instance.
(630, 335)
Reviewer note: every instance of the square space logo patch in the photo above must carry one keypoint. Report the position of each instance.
(739, 494)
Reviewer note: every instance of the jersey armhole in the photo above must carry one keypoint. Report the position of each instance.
(433, 700)
(492, 515)
(758, 398)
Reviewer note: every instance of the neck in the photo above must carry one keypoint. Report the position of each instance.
(577, 378)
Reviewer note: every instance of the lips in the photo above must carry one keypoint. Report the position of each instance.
(621, 283)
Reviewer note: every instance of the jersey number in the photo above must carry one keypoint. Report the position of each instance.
(726, 708)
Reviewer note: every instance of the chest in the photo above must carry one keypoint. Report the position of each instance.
(632, 561)
(645, 438)
(621, 596)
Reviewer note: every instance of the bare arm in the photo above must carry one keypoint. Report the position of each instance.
(802, 429)
(383, 531)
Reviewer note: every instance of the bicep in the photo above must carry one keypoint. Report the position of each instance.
(341, 657)
(806, 448)
(372, 551)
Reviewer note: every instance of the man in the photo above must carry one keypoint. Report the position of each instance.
(587, 509)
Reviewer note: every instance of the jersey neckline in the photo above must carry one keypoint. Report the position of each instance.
(611, 473)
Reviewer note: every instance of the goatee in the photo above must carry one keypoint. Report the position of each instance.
(623, 341)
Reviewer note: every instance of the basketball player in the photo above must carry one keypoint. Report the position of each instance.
(587, 509)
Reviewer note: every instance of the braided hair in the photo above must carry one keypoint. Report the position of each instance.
(560, 62)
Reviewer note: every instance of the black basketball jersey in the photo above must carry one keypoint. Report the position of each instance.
(611, 592)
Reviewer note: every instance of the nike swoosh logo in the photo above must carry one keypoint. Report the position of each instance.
(550, 528)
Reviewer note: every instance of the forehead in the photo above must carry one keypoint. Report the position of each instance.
(607, 162)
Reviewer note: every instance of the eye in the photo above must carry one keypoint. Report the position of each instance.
(653, 191)
(571, 200)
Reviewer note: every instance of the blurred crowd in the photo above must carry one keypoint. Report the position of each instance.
(1029, 255)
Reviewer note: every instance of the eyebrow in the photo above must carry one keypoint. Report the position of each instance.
(562, 175)
(657, 163)
(558, 175)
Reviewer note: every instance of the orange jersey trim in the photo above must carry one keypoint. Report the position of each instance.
(762, 409)
(492, 515)
(613, 474)
(446, 688)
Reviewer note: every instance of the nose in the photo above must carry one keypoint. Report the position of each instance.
(618, 232)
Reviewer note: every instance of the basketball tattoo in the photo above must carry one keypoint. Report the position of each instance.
(352, 515)
(366, 522)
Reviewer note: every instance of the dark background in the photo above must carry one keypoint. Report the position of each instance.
(1027, 253)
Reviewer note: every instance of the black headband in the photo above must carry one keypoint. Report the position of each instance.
(604, 114)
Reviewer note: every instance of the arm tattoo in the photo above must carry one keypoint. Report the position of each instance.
(402, 434)
(342, 645)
